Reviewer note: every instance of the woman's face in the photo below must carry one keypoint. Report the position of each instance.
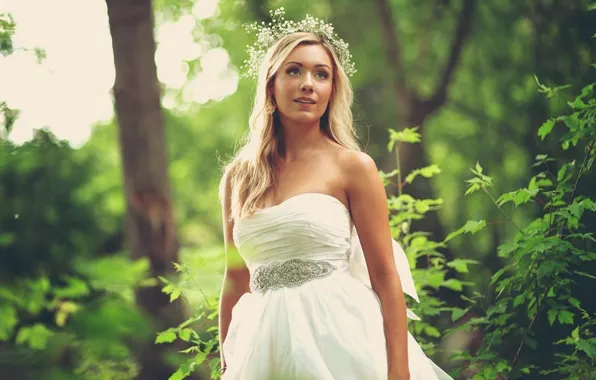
(302, 86)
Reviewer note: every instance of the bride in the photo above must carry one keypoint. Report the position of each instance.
(314, 283)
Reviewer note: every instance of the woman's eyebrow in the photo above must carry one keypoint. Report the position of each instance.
(301, 65)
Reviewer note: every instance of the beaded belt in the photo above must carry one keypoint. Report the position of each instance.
(289, 273)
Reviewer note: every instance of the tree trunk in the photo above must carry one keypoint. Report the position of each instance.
(150, 227)
(413, 110)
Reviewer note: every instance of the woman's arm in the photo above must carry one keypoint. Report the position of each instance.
(236, 276)
(368, 206)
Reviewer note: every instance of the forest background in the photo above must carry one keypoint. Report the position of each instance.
(115, 126)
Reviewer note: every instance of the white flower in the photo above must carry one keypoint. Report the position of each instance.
(268, 34)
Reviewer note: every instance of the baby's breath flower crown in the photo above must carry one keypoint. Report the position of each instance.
(268, 34)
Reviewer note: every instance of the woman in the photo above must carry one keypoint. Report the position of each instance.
(299, 201)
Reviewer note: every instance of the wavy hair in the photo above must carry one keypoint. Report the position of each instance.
(251, 170)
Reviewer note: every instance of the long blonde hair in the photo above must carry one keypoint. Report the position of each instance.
(251, 171)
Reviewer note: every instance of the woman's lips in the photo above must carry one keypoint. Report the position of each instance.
(305, 105)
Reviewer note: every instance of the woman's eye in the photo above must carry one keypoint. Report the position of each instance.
(322, 75)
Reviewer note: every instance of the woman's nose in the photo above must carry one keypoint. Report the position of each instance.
(306, 83)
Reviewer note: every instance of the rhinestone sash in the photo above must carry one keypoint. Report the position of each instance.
(289, 273)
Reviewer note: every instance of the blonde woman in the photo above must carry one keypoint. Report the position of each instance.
(314, 283)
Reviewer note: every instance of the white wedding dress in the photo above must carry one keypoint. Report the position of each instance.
(311, 314)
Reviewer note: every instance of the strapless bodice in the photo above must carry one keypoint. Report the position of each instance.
(308, 226)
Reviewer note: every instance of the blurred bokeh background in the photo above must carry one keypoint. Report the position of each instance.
(464, 72)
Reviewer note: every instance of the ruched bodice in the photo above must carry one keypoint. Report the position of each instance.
(311, 313)
(306, 226)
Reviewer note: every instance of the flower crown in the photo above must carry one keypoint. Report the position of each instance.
(268, 34)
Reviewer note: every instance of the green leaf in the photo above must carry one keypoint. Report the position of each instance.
(575, 333)
(191, 349)
(185, 334)
(6, 239)
(474, 226)
(214, 365)
(588, 204)
(422, 207)
(36, 336)
(523, 196)
(183, 371)
(489, 373)
(457, 313)
(588, 346)
(11, 296)
(65, 309)
(167, 336)
(552, 315)
(478, 168)
(461, 265)
(175, 294)
(505, 249)
(565, 317)
(472, 188)
(426, 172)
(471, 226)
(575, 210)
(577, 104)
(505, 198)
(497, 275)
(546, 128)
(453, 284)
(8, 316)
(502, 366)
(532, 308)
(75, 288)
(432, 331)
(41, 285)
(386, 176)
(435, 279)
(519, 299)
(407, 135)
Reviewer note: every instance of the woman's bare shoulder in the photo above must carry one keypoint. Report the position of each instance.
(350, 159)
(225, 184)
(349, 164)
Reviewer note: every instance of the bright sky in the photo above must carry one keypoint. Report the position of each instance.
(70, 90)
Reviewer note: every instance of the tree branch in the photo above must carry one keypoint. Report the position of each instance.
(464, 27)
(393, 51)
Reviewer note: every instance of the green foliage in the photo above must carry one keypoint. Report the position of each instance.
(75, 317)
(7, 29)
(199, 331)
(418, 246)
(41, 180)
(543, 263)
(71, 312)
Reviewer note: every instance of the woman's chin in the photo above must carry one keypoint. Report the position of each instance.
(304, 118)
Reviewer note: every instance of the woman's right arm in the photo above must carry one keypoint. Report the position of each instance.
(236, 276)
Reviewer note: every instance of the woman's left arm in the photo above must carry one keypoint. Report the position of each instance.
(368, 206)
